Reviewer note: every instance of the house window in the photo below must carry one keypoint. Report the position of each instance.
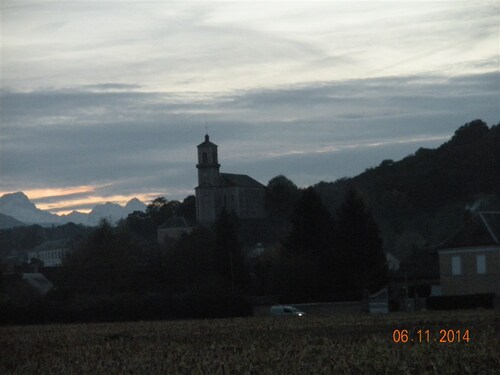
(481, 263)
(456, 265)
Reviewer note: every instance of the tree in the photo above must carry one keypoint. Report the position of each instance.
(107, 262)
(361, 262)
(281, 196)
(157, 212)
(311, 226)
(160, 210)
(308, 251)
(190, 262)
(228, 255)
(187, 208)
(470, 133)
(140, 223)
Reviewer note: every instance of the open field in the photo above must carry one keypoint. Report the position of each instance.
(310, 345)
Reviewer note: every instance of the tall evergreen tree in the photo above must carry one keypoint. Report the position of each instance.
(311, 226)
(308, 251)
(228, 253)
(360, 260)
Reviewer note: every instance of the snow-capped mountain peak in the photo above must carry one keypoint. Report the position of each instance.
(18, 199)
(18, 206)
(135, 205)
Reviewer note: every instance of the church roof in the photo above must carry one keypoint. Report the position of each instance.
(207, 142)
(481, 230)
(231, 179)
(177, 222)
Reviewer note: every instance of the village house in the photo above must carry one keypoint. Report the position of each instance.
(51, 253)
(469, 260)
(173, 229)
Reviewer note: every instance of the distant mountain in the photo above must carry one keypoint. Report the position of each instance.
(7, 222)
(18, 206)
(135, 205)
(114, 212)
(109, 211)
(75, 217)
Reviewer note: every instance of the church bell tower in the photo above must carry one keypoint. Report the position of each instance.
(208, 166)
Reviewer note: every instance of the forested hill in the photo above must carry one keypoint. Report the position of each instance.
(422, 198)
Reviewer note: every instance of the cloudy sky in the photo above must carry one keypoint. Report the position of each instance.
(107, 100)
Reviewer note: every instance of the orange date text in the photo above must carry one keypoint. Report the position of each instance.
(403, 336)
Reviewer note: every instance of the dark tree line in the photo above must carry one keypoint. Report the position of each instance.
(120, 272)
(203, 273)
(28, 237)
(321, 243)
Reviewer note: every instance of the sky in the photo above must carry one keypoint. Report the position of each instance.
(107, 100)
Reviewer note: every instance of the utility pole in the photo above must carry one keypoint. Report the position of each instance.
(232, 270)
(415, 281)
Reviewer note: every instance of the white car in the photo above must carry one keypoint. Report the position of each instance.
(282, 310)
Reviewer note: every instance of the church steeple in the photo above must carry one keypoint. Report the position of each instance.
(208, 166)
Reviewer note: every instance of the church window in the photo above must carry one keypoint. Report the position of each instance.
(205, 158)
(214, 157)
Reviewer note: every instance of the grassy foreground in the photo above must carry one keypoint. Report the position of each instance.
(357, 344)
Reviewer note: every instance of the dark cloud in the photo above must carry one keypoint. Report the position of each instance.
(138, 142)
(75, 107)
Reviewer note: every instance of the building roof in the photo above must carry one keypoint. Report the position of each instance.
(177, 222)
(52, 245)
(482, 229)
(207, 142)
(230, 179)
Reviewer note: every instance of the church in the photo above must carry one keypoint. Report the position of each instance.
(238, 193)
